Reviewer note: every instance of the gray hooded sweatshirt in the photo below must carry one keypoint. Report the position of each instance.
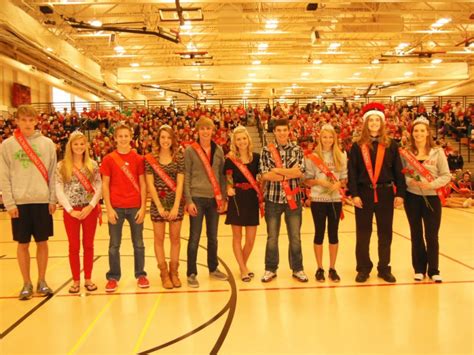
(21, 182)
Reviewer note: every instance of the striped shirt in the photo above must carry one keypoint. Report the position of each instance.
(291, 155)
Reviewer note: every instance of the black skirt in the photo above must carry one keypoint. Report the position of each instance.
(242, 209)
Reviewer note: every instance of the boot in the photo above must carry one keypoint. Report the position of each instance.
(165, 276)
(174, 274)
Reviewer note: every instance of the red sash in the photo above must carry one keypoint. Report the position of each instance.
(20, 138)
(323, 167)
(411, 159)
(161, 173)
(210, 174)
(121, 164)
(378, 165)
(248, 175)
(286, 186)
(89, 188)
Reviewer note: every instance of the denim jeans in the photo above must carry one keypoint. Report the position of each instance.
(206, 207)
(273, 212)
(115, 232)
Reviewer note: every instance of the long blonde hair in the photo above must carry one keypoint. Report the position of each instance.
(67, 163)
(365, 134)
(337, 154)
(233, 147)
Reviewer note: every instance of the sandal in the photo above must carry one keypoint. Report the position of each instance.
(90, 287)
(251, 274)
(246, 278)
(74, 289)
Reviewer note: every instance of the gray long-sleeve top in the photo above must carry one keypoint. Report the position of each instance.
(196, 182)
(21, 182)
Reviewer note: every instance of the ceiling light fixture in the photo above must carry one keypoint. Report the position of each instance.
(375, 61)
(386, 83)
(119, 49)
(256, 62)
(436, 61)
(262, 46)
(408, 73)
(95, 23)
(134, 65)
(271, 24)
(146, 76)
(305, 73)
(334, 45)
(317, 61)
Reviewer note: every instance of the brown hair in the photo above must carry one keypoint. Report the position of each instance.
(365, 134)
(120, 126)
(429, 140)
(281, 122)
(174, 141)
(26, 110)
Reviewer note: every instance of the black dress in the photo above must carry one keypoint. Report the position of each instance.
(242, 208)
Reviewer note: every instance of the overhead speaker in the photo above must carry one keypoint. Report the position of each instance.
(312, 6)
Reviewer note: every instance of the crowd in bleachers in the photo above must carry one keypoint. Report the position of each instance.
(450, 119)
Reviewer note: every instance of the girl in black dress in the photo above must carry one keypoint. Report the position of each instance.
(244, 201)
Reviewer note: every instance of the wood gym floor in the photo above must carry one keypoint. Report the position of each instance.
(284, 316)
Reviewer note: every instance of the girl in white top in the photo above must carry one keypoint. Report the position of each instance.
(79, 189)
(326, 174)
(422, 204)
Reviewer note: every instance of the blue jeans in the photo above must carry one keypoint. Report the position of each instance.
(115, 233)
(273, 212)
(206, 207)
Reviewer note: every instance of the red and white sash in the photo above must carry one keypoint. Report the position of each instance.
(290, 194)
(210, 174)
(123, 166)
(378, 165)
(324, 168)
(161, 172)
(248, 175)
(89, 188)
(411, 159)
(20, 138)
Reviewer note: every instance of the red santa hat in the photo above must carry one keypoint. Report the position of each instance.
(374, 108)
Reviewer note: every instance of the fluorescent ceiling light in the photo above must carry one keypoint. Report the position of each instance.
(334, 45)
(386, 83)
(305, 73)
(186, 26)
(375, 61)
(119, 49)
(262, 46)
(146, 76)
(408, 73)
(436, 61)
(248, 85)
(256, 62)
(95, 23)
(403, 45)
(356, 74)
(134, 65)
(252, 74)
(317, 61)
(247, 91)
(433, 82)
(271, 24)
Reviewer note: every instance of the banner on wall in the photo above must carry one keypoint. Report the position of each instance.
(21, 95)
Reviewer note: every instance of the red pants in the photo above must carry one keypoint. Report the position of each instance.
(73, 230)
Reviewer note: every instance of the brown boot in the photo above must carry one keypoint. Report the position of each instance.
(174, 274)
(165, 276)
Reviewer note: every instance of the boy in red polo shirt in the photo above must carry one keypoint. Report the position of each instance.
(124, 192)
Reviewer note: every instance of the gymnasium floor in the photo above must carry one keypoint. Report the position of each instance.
(284, 316)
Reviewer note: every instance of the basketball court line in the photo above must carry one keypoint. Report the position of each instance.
(440, 253)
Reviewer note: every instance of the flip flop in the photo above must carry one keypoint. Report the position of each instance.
(246, 278)
(74, 289)
(90, 287)
(251, 274)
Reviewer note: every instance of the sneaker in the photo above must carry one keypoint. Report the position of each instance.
(419, 277)
(143, 282)
(333, 275)
(218, 275)
(436, 278)
(300, 276)
(362, 276)
(111, 285)
(320, 275)
(387, 277)
(192, 281)
(26, 292)
(43, 289)
(467, 203)
(268, 276)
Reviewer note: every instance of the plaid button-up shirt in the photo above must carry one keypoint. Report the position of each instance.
(291, 155)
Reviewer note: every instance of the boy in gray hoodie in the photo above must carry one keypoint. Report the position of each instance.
(27, 179)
